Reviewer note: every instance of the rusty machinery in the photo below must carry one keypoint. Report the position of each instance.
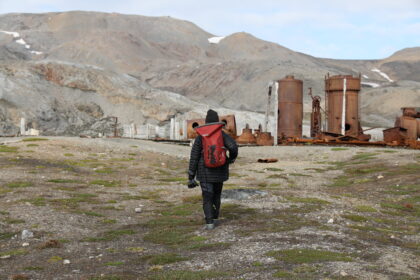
(264, 139)
(341, 113)
(115, 126)
(258, 131)
(288, 112)
(247, 137)
(315, 114)
(342, 107)
(290, 108)
(410, 120)
(406, 130)
(229, 120)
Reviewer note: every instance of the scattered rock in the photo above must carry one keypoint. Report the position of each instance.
(66, 261)
(137, 210)
(380, 177)
(5, 257)
(242, 194)
(26, 244)
(20, 277)
(343, 273)
(51, 244)
(27, 234)
(330, 221)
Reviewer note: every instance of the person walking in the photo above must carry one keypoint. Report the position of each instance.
(211, 154)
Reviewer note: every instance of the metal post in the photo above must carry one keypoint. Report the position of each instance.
(276, 113)
(267, 111)
(116, 127)
(133, 130)
(157, 131)
(176, 132)
(343, 113)
(22, 126)
(326, 128)
(184, 130)
(172, 129)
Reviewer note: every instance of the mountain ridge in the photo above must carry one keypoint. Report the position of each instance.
(168, 54)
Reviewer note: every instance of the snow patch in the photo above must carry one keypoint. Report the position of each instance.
(215, 40)
(382, 74)
(365, 76)
(374, 85)
(22, 42)
(14, 34)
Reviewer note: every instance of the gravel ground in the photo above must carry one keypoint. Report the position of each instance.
(119, 209)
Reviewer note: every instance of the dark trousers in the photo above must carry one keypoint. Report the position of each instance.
(211, 200)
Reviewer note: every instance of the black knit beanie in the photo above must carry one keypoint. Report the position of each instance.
(212, 116)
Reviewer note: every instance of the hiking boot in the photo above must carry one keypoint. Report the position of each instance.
(216, 222)
(209, 226)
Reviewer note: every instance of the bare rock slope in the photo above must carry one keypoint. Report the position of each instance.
(69, 70)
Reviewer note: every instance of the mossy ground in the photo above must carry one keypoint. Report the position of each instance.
(83, 197)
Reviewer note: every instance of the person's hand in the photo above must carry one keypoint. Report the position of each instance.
(192, 184)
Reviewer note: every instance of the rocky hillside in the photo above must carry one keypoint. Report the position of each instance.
(66, 71)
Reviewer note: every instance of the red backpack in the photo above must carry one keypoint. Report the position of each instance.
(214, 151)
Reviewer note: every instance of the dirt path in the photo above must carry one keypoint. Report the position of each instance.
(119, 209)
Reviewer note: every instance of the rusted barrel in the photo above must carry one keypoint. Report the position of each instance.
(290, 108)
(334, 88)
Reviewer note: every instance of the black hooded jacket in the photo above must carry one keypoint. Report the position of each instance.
(211, 175)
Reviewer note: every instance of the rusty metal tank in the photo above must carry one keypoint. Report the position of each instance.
(290, 106)
(335, 89)
(412, 125)
(229, 128)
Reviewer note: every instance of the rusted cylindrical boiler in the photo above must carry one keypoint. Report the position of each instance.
(290, 108)
(191, 125)
(229, 128)
(230, 125)
(336, 87)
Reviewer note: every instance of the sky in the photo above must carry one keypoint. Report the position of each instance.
(341, 29)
